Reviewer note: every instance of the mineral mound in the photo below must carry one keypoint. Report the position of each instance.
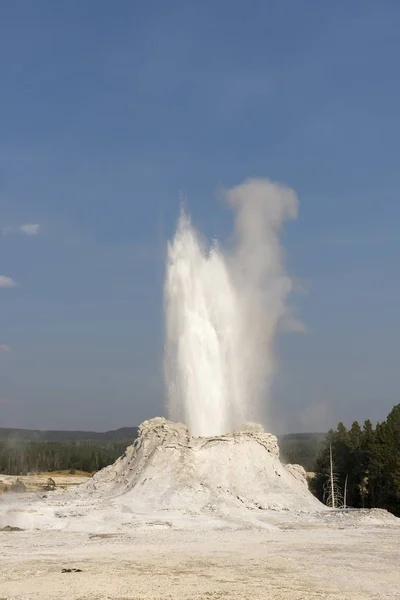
(166, 469)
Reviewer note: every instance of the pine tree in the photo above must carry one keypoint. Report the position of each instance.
(355, 473)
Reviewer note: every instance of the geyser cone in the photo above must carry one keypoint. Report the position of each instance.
(165, 468)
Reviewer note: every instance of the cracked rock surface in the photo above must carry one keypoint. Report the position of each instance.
(167, 469)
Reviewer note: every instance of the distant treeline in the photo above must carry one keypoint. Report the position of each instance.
(19, 457)
(301, 449)
(366, 465)
(25, 451)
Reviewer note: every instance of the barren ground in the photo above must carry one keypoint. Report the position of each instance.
(280, 556)
(35, 482)
(172, 519)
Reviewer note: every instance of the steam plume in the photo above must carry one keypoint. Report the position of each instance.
(223, 311)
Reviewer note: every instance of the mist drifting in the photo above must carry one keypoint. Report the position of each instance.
(223, 310)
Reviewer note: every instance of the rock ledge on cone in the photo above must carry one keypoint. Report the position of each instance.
(166, 469)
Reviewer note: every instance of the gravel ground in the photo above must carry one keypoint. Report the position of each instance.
(337, 556)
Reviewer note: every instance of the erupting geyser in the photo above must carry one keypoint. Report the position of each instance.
(223, 310)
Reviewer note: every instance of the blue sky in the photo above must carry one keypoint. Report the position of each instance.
(109, 110)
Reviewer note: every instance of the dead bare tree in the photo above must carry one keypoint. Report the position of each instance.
(332, 494)
(345, 492)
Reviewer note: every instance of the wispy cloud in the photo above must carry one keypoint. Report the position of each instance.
(7, 282)
(26, 229)
(30, 228)
(4, 348)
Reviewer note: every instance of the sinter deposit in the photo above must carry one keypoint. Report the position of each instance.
(166, 469)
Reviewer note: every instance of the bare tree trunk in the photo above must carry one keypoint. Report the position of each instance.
(332, 479)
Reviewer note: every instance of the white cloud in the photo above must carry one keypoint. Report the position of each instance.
(30, 228)
(6, 282)
(26, 229)
(4, 348)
